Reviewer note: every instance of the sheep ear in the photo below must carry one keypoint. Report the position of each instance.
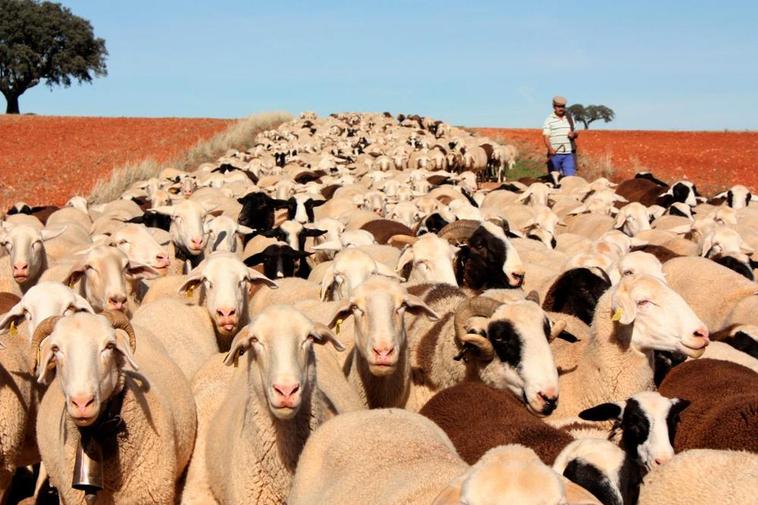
(241, 343)
(255, 259)
(75, 274)
(620, 220)
(623, 308)
(386, 271)
(578, 210)
(255, 277)
(166, 210)
(533, 296)
(556, 328)
(328, 246)
(321, 334)
(45, 365)
(50, 234)
(244, 230)
(344, 311)
(327, 283)
(14, 315)
(451, 495)
(602, 412)
(706, 246)
(122, 344)
(190, 284)
(405, 258)
(136, 271)
(416, 305)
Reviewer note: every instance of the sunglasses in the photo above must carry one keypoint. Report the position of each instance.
(559, 106)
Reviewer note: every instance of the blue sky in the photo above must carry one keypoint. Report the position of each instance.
(659, 65)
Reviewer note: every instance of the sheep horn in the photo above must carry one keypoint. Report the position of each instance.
(459, 231)
(480, 306)
(44, 329)
(119, 321)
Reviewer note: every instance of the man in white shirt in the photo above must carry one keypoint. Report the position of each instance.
(559, 134)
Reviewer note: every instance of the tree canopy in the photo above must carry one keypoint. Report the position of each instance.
(45, 41)
(590, 113)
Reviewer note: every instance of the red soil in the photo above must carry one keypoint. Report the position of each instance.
(48, 159)
(713, 160)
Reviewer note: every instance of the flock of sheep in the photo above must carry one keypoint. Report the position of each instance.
(342, 314)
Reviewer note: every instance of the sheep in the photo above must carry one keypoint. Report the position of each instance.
(722, 414)
(224, 234)
(293, 234)
(280, 407)
(719, 296)
(505, 345)
(742, 337)
(632, 218)
(146, 433)
(328, 473)
(428, 258)
(26, 250)
(379, 364)
(702, 477)
(634, 318)
(43, 300)
(102, 274)
(576, 292)
(187, 228)
(348, 270)
(384, 229)
(225, 283)
(486, 258)
(478, 418)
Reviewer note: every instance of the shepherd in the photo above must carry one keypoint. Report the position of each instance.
(560, 139)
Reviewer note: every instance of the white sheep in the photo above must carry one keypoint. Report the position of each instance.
(274, 400)
(151, 412)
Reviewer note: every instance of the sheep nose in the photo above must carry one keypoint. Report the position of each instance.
(197, 242)
(226, 311)
(551, 401)
(81, 402)
(287, 390)
(519, 278)
(161, 260)
(384, 352)
(21, 267)
(116, 302)
(701, 332)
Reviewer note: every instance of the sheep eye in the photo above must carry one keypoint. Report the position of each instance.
(628, 272)
(644, 303)
(110, 346)
(54, 348)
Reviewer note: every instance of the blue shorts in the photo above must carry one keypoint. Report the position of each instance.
(563, 163)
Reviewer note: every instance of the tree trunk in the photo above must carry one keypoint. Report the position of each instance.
(12, 107)
(586, 124)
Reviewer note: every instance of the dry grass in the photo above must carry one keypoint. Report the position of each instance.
(592, 168)
(239, 136)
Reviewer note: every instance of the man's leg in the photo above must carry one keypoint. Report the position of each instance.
(557, 161)
(569, 166)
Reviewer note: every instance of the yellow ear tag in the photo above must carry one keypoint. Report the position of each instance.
(190, 292)
(338, 327)
(14, 331)
(617, 315)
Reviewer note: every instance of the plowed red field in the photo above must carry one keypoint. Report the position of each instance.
(49, 159)
(46, 160)
(713, 160)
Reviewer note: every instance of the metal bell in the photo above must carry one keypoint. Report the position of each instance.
(88, 468)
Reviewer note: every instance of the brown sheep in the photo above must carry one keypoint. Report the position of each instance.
(7, 301)
(640, 190)
(492, 417)
(723, 411)
(384, 229)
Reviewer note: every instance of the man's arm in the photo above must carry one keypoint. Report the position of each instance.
(546, 137)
